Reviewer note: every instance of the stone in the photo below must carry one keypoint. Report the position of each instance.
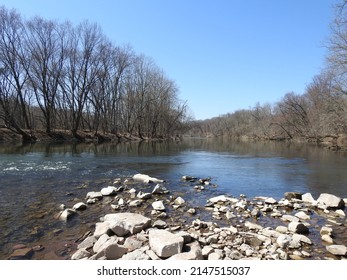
(283, 240)
(158, 205)
(67, 214)
(297, 228)
(91, 201)
(152, 255)
(340, 213)
(79, 206)
(159, 189)
(253, 226)
(110, 190)
(290, 218)
(308, 198)
(301, 238)
(270, 200)
(255, 213)
(144, 196)
(87, 243)
(138, 254)
(146, 179)
(102, 228)
(326, 231)
(340, 250)
(206, 250)
(103, 239)
(191, 211)
(214, 256)
(327, 238)
(179, 201)
(281, 229)
(21, 253)
(96, 195)
(132, 222)
(135, 203)
(220, 198)
(160, 224)
(331, 201)
(302, 215)
(81, 254)
(192, 251)
(293, 195)
(164, 243)
(186, 236)
(132, 244)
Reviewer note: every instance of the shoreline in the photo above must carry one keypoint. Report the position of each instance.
(142, 211)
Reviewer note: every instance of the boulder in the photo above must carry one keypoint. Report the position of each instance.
(308, 198)
(331, 201)
(298, 228)
(132, 222)
(146, 179)
(79, 206)
(87, 243)
(340, 250)
(301, 238)
(164, 243)
(158, 205)
(110, 190)
(292, 195)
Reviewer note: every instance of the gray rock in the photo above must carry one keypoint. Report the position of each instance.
(253, 226)
(152, 255)
(164, 243)
(146, 179)
(102, 228)
(158, 205)
(290, 218)
(87, 243)
(340, 250)
(138, 254)
(331, 201)
(132, 222)
(159, 189)
(302, 215)
(301, 238)
(298, 228)
(281, 229)
(293, 195)
(96, 195)
(206, 250)
(270, 200)
(160, 224)
(81, 254)
(191, 211)
(135, 203)
(132, 244)
(67, 214)
(179, 201)
(144, 196)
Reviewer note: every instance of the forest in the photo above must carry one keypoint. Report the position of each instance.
(314, 115)
(59, 76)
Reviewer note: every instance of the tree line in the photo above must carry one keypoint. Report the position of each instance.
(56, 75)
(318, 112)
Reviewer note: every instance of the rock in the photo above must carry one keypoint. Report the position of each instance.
(164, 243)
(327, 238)
(270, 200)
(250, 225)
(81, 254)
(144, 196)
(101, 229)
(152, 255)
(214, 256)
(192, 252)
(283, 240)
(67, 214)
(96, 195)
(21, 254)
(290, 218)
(159, 189)
(87, 243)
(191, 211)
(79, 206)
(340, 250)
(302, 215)
(110, 190)
(158, 205)
(255, 213)
(301, 238)
(179, 201)
(135, 203)
(138, 254)
(308, 198)
(132, 243)
(293, 195)
(186, 236)
(132, 193)
(146, 179)
(103, 239)
(220, 198)
(297, 227)
(160, 224)
(121, 202)
(91, 201)
(189, 178)
(206, 250)
(132, 222)
(331, 201)
(281, 229)
(340, 213)
(326, 231)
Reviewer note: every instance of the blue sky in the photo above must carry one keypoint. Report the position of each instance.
(224, 55)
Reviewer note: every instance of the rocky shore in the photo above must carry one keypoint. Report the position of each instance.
(148, 222)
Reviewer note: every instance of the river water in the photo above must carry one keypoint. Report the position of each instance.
(36, 179)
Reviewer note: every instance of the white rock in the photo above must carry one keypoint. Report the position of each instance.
(159, 189)
(67, 214)
(144, 196)
(331, 201)
(253, 226)
(327, 238)
(135, 203)
(308, 198)
(164, 243)
(206, 250)
(79, 206)
(326, 231)
(121, 202)
(340, 213)
(146, 179)
(281, 229)
(340, 250)
(283, 240)
(302, 215)
(96, 195)
(214, 256)
(101, 229)
(194, 252)
(290, 218)
(297, 227)
(301, 238)
(191, 211)
(158, 205)
(220, 198)
(179, 201)
(270, 200)
(80, 254)
(110, 190)
(138, 254)
(132, 222)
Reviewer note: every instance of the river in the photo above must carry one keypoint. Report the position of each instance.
(35, 179)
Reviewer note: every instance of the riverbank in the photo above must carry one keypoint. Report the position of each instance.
(141, 218)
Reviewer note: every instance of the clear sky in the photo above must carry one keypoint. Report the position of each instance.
(224, 55)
